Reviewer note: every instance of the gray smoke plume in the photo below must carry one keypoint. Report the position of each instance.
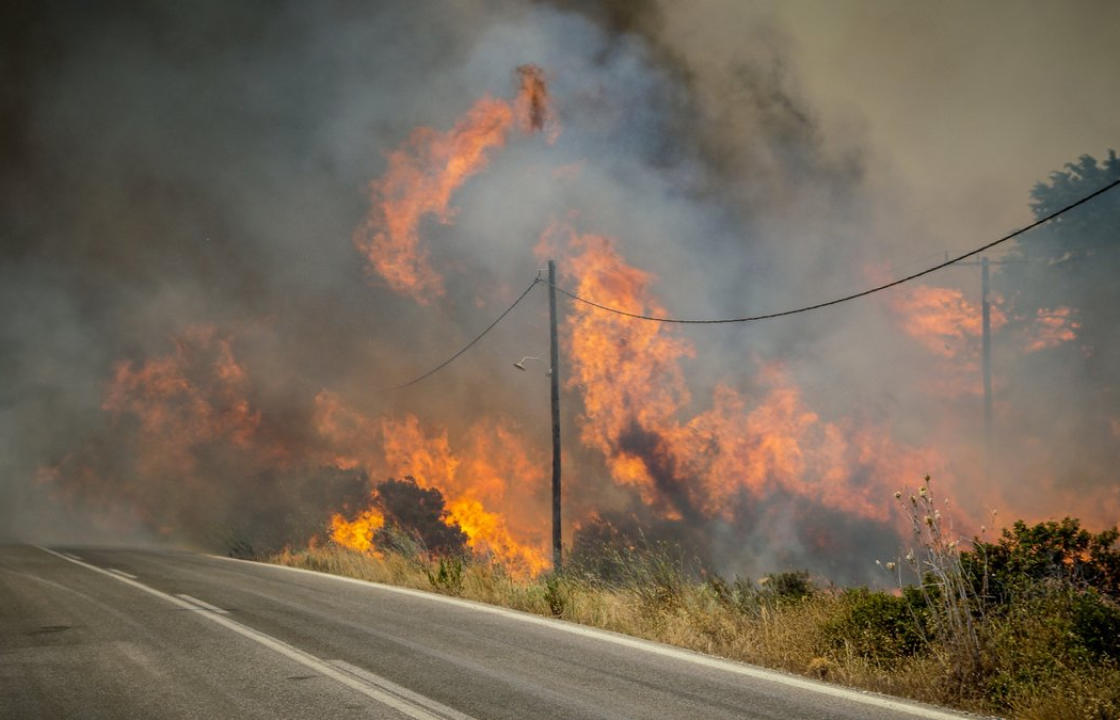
(170, 167)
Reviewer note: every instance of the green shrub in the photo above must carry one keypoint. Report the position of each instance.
(739, 594)
(1049, 551)
(555, 594)
(448, 578)
(880, 627)
(1095, 623)
(792, 586)
(240, 548)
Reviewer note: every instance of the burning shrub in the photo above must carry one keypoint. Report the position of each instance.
(273, 510)
(420, 513)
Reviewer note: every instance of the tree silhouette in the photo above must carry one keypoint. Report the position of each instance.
(1067, 272)
(1073, 261)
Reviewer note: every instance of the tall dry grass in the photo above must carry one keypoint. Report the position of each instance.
(934, 639)
(796, 634)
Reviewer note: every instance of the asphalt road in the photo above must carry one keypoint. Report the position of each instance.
(112, 633)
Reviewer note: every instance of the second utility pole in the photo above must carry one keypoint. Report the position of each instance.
(986, 359)
(554, 376)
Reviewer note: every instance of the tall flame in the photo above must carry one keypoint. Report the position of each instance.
(422, 176)
(628, 372)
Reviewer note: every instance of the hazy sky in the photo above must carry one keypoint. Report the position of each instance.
(966, 104)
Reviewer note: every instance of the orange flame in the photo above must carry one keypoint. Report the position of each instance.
(941, 319)
(634, 395)
(487, 485)
(1052, 328)
(357, 534)
(468, 483)
(194, 395)
(422, 176)
(170, 414)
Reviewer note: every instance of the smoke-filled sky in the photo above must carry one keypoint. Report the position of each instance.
(205, 301)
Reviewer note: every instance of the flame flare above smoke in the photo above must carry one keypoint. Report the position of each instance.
(422, 176)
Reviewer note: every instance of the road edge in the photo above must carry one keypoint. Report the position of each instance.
(866, 697)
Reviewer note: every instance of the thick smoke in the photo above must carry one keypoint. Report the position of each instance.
(180, 192)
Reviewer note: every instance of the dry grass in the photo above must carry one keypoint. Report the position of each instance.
(788, 635)
(800, 634)
(1026, 628)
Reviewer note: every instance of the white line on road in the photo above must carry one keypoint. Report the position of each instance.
(389, 686)
(71, 556)
(202, 604)
(122, 573)
(362, 683)
(859, 696)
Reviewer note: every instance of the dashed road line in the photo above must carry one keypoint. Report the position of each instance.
(122, 573)
(202, 604)
(376, 688)
(404, 693)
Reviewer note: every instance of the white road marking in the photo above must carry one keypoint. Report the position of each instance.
(859, 696)
(389, 686)
(72, 556)
(202, 604)
(406, 707)
(122, 573)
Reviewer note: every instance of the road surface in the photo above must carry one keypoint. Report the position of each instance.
(113, 633)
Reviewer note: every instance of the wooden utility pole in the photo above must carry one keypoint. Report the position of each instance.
(986, 351)
(554, 376)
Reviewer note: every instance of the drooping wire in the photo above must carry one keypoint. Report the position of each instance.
(470, 344)
(853, 296)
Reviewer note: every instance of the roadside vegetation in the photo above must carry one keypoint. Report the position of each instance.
(1026, 626)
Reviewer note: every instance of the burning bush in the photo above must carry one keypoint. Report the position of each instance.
(420, 513)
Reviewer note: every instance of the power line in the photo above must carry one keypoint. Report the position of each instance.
(469, 345)
(853, 296)
(752, 318)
